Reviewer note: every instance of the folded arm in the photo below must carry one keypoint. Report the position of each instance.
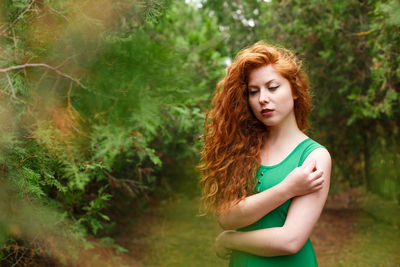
(303, 214)
(302, 180)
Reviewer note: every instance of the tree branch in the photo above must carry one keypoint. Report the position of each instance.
(18, 18)
(56, 70)
(45, 66)
(11, 85)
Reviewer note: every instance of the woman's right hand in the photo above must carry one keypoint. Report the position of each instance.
(304, 179)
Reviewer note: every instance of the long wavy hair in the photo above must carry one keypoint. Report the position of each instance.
(233, 135)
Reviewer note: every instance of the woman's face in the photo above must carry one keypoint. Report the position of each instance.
(270, 96)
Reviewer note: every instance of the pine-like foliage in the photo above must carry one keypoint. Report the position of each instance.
(97, 98)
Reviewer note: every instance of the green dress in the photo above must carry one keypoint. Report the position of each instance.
(267, 177)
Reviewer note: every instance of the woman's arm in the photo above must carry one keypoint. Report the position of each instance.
(303, 213)
(302, 180)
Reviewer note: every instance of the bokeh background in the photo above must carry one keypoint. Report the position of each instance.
(102, 106)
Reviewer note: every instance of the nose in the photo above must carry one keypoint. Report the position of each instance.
(264, 97)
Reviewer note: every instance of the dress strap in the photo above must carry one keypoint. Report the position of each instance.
(310, 146)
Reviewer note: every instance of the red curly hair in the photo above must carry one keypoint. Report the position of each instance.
(233, 135)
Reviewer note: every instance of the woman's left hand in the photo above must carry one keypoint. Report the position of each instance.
(220, 248)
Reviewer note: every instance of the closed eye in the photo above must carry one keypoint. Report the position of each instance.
(273, 88)
(253, 92)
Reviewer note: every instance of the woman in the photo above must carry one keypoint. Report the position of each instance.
(262, 174)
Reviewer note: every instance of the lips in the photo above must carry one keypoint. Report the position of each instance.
(266, 112)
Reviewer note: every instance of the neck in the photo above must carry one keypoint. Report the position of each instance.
(286, 132)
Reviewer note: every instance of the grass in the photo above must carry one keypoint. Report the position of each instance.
(179, 237)
(174, 235)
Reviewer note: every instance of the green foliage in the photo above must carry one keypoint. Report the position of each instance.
(122, 102)
(93, 214)
(384, 175)
(122, 108)
(381, 99)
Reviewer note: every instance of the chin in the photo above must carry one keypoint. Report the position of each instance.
(269, 123)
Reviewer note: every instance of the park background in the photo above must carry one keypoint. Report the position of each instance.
(102, 106)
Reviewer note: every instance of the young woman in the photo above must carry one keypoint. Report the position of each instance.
(262, 175)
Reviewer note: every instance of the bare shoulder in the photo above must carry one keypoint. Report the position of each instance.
(323, 162)
(320, 155)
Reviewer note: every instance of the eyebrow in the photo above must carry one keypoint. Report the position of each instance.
(255, 86)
